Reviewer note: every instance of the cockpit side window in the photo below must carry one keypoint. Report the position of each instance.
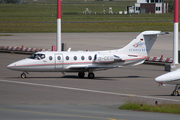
(37, 56)
(34, 56)
(42, 56)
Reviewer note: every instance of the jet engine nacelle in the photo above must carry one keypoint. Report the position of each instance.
(107, 58)
(101, 58)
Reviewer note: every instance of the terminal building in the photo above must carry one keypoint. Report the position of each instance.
(151, 6)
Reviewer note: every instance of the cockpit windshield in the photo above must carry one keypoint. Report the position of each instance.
(37, 56)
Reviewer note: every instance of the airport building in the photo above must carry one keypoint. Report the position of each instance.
(151, 6)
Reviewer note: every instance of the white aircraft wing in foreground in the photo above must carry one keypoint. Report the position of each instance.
(132, 54)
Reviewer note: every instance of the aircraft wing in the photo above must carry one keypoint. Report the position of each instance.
(94, 68)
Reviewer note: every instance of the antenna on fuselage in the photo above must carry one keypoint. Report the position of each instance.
(69, 50)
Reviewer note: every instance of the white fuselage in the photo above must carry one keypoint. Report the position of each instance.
(171, 78)
(76, 61)
(132, 54)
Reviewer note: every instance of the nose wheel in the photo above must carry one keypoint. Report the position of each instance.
(23, 75)
(176, 91)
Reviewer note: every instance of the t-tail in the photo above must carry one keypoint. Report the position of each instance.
(142, 44)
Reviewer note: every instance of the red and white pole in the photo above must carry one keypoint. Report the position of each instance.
(58, 36)
(176, 30)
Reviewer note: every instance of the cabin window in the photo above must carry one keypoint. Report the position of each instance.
(82, 57)
(75, 57)
(59, 57)
(67, 57)
(95, 56)
(90, 58)
(50, 58)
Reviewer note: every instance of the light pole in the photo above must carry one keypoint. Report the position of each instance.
(58, 36)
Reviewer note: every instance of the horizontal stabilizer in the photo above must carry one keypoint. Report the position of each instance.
(155, 33)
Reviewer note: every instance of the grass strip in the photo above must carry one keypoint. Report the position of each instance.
(84, 27)
(41, 17)
(163, 108)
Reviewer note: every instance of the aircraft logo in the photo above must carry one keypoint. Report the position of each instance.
(139, 44)
(135, 45)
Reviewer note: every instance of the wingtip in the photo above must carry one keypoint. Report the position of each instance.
(163, 33)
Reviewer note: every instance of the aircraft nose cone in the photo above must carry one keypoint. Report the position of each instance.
(159, 79)
(163, 78)
(11, 66)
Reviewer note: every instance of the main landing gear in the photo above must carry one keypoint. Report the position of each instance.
(176, 91)
(91, 75)
(82, 74)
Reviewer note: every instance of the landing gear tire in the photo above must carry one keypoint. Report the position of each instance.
(23, 75)
(91, 75)
(81, 74)
(176, 91)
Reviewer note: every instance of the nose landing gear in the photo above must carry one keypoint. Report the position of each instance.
(176, 91)
(23, 75)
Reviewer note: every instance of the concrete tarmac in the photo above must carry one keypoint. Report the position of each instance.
(54, 96)
(77, 112)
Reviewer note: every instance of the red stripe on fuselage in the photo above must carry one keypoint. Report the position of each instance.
(71, 63)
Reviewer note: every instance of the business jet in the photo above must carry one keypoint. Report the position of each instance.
(170, 79)
(132, 54)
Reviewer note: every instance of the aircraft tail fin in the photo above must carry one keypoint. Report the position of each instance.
(143, 43)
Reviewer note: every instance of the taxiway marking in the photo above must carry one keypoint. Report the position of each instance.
(87, 90)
